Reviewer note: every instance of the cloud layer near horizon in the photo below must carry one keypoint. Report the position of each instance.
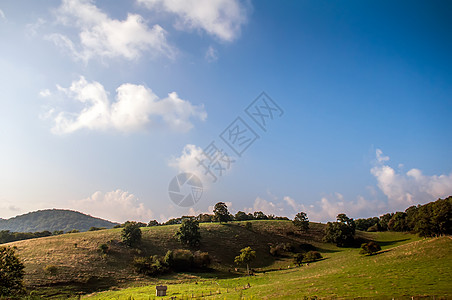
(117, 206)
(400, 190)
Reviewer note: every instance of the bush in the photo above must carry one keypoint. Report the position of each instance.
(131, 234)
(11, 273)
(312, 256)
(151, 266)
(201, 259)
(369, 248)
(305, 247)
(275, 250)
(249, 225)
(298, 259)
(182, 260)
(50, 269)
(96, 228)
(373, 228)
(104, 248)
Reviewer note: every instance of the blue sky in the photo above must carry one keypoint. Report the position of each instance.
(103, 103)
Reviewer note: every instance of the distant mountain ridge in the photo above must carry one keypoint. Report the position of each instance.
(52, 220)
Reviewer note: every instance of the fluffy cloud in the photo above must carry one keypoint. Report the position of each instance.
(188, 163)
(219, 18)
(101, 36)
(118, 206)
(135, 108)
(412, 187)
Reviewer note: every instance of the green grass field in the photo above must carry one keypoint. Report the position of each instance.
(406, 267)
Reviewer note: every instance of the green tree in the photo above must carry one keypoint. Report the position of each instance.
(301, 221)
(241, 216)
(258, 215)
(247, 255)
(341, 232)
(153, 223)
(370, 248)
(131, 234)
(384, 220)
(221, 213)
(11, 273)
(188, 233)
(298, 259)
(398, 222)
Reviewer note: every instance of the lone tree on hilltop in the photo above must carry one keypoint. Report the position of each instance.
(131, 234)
(11, 273)
(188, 232)
(221, 212)
(247, 255)
(301, 221)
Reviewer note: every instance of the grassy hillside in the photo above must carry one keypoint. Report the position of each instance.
(80, 267)
(417, 269)
(52, 220)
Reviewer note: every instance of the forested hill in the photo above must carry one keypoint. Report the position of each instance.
(53, 220)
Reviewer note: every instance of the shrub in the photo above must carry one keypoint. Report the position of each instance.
(182, 260)
(312, 256)
(50, 269)
(96, 228)
(305, 247)
(373, 228)
(369, 248)
(201, 259)
(298, 259)
(104, 248)
(11, 273)
(249, 225)
(151, 266)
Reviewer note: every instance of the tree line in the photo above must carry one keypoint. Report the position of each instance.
(428, 220)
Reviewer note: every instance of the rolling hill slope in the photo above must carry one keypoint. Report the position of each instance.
(51, 220)
(406, 265)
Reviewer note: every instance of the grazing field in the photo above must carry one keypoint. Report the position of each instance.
(407, 265)
(401, 270)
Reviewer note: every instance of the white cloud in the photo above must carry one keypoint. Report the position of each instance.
(135, 108)
(410, 188)
(101, 36)
(188, 163)
(118, 206)
(2, 15)
(219, 18)
(211, 54)
(45, 93)
(267, 207)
